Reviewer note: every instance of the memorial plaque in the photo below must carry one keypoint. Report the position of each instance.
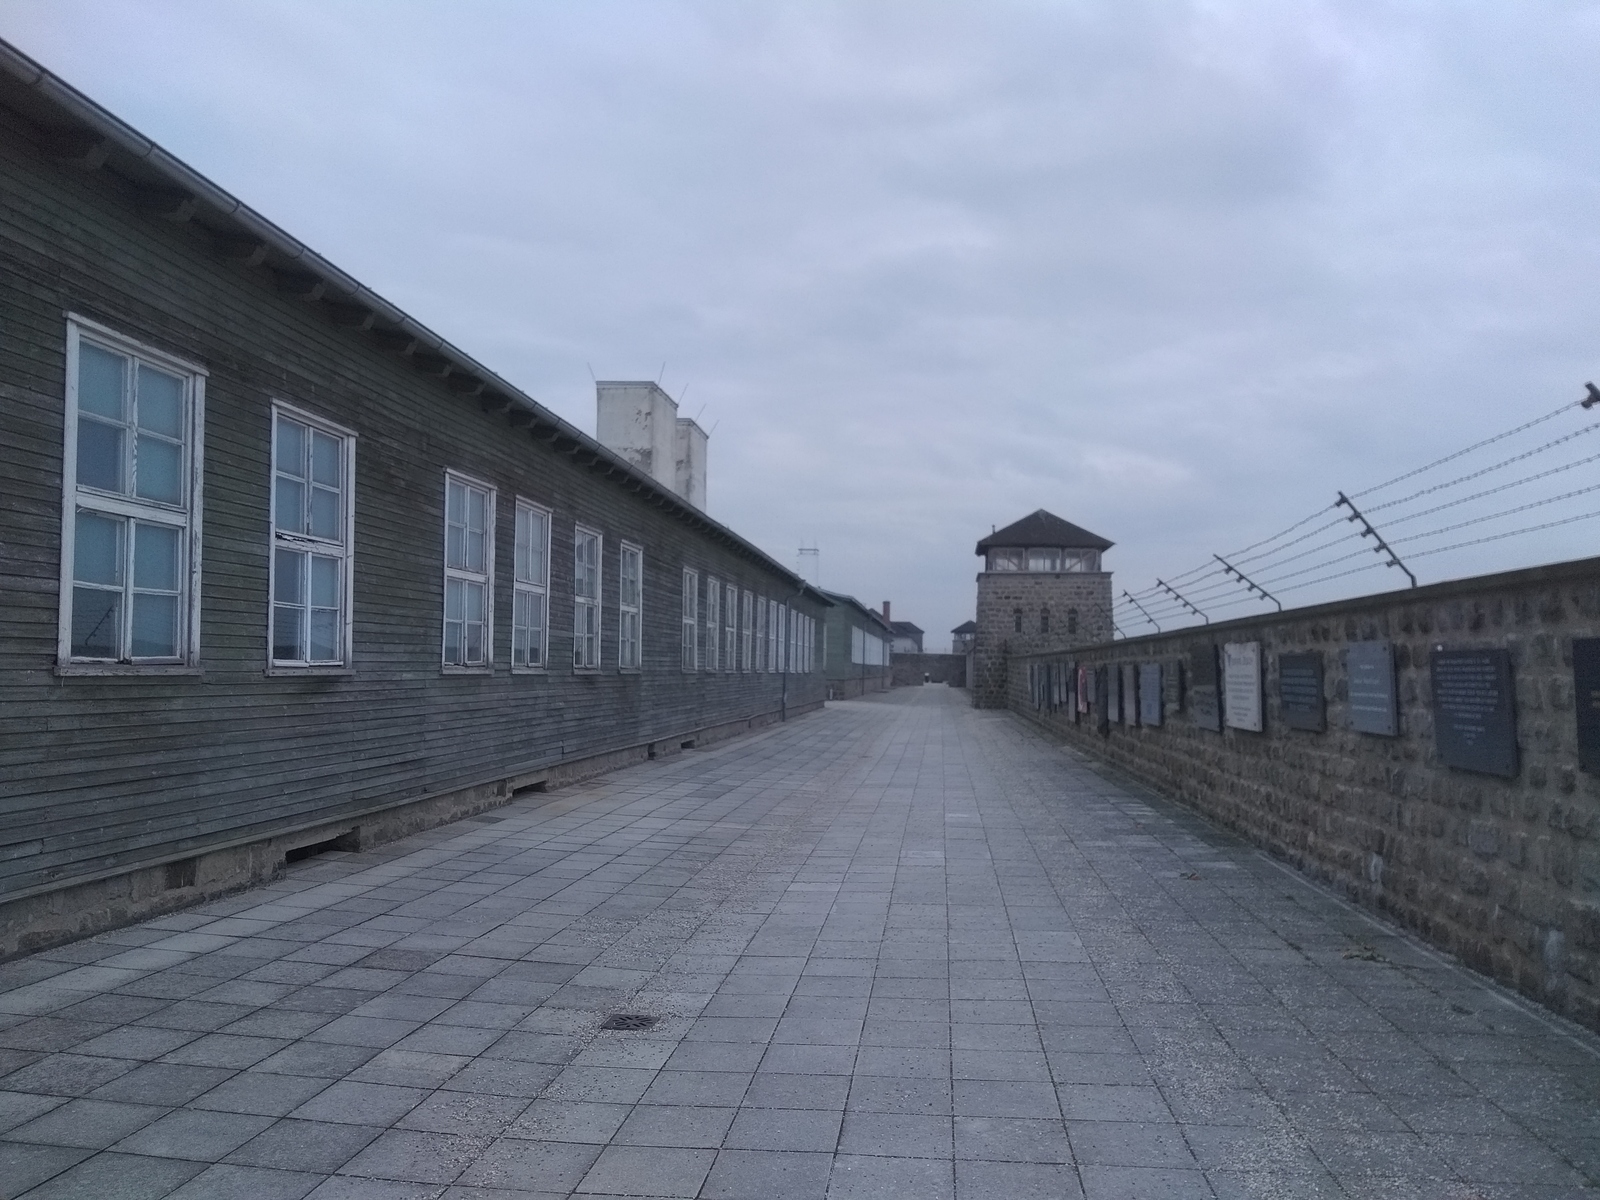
(1474, 726)
(1205, 697)
(1241, 682)
(1102, 699)
(1300, 701)
(1085, 690)
(1151, 694)
(1071, 697)
(1130, 694)
(1369, 666)
(1114, 694)
(1173, 679)
(1586, 695)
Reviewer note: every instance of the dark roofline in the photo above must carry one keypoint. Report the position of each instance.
(1009, 538)
(844, 601)
(95, 137)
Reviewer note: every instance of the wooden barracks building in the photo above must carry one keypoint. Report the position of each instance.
(282, 568)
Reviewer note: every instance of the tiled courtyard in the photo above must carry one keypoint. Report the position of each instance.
(897, 949)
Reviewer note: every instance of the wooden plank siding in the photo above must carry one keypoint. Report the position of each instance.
(98, 774)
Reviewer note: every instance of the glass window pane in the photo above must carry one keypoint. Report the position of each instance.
(475, 550)
(474, 647)
(289, 584)
(324, 635)
(538, 546)
(522, 564)
(291, 448)
(453, 599)
(160, 402)
(455, 546)
(324, 513)
(100, 455)
(455, 502)
(472, 599)
(97, 549)
(155, 626)
(477, 510)
(325, 582)
(101, 382)
(287, 637)
(96, 622)
(452, 642)
(325, 459)
(289, 505)
(155, 558)
(158, 469)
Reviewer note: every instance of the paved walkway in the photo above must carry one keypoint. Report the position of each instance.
(898, 949)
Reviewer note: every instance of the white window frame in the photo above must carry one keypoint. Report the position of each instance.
(772, 635)
(713, 616)
(630, 617)
(307, 543)
(730, 627)
(590, 643)
(537, 590)
(188, 517)
(761, 635)
(485, 578)
(747, 629)
(690, 646)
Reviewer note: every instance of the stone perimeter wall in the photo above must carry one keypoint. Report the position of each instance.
(909, 669)
(1502, 873)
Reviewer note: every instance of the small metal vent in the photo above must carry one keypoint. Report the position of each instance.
(629, 1021)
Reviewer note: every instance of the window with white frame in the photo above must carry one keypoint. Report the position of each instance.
(691, 620)
(530, 595)
(746, 632)
(760, 659)
(713, 623)
(585, 599)
(130, 530)
(772, 635)
(630, 605)
(468, 572)
(312, 512)
(730, 628)
(783, 638)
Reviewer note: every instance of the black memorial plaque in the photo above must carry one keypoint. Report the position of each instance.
(1474, 726)
(1205, 702)
(1300, 702)
(1586, 695)
(1369, 666)
(1130, 694)
(1102, 699)
(1114, 695)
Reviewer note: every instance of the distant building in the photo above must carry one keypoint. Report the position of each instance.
(1041, 589)
(856, 648)
(962, 637)
(905, 638)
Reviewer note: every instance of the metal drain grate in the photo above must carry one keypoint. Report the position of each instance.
(629, 1021)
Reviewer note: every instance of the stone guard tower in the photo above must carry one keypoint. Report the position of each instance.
(1041, 589)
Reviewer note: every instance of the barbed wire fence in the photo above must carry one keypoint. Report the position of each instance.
(1378, 532)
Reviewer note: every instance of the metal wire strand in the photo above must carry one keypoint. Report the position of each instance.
(1439, 487)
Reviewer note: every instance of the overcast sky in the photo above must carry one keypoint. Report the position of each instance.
(1176, 272)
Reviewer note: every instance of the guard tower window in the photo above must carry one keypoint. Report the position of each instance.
(1072, 620)
(1044, 620)
(1016, 618)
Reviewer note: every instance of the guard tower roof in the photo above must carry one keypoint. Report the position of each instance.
(1043, 529)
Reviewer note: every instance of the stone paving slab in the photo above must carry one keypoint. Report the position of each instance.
(896, 949)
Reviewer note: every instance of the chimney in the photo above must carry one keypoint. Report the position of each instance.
(640, 422)
(885, 612)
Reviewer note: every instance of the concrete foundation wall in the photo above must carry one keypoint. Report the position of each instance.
(1502, 872)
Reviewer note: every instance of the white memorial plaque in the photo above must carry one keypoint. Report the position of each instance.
(1241, 683)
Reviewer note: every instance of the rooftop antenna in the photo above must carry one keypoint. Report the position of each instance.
(661, 372)
(592, 379)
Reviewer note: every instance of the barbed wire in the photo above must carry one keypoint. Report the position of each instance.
(1439, 487)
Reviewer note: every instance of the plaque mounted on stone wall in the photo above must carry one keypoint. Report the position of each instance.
(1071, 685)
(1151, 694)
(1102, 699)
(1300, 702)
(1085, 690)
(1172, 678)
(1586, 698)
(1474, 723)
(1114, 694)
(1241, 682)
(1369, 667)
(1205, 694)
(1130, 694)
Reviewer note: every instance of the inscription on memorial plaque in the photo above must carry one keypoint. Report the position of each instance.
(1241, 681)
(1130, 694)
(1586, 696)
(1085, 686)
(1102, 699)
(1172, 677)
(1474, 725)
(1205, 699)
(1151, 694)
(1300, 691)
(1369, 666)
(1114, 695)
